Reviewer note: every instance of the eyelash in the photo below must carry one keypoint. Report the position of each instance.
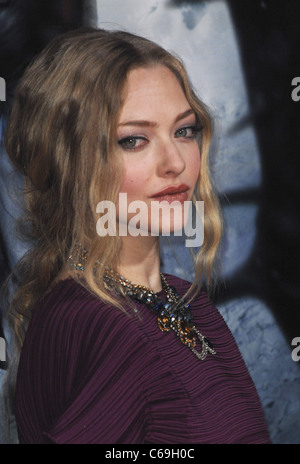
(195, 131)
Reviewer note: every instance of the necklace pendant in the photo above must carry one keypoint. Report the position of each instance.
(175, 314)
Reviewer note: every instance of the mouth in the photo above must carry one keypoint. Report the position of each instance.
(172, 193)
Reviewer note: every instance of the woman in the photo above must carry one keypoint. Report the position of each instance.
(98, 116)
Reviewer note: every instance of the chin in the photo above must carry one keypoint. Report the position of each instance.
(170, 219)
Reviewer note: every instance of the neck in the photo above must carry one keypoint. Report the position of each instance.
(139, 261)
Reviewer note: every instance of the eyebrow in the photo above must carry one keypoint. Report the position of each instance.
(141, 122)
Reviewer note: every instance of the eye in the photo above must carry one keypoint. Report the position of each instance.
(132, 142)
(189, 132)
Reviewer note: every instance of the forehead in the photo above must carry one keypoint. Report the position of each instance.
(151, 91)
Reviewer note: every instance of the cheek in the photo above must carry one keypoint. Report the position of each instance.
(194, 164)
(133, 181)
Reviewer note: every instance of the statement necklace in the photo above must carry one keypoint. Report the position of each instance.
(175, 314)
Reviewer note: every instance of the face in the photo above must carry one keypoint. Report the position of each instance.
(157, 138)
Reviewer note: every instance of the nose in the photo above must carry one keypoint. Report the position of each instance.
(171, 162)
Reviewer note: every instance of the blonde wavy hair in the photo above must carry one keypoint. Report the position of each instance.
(61, 135)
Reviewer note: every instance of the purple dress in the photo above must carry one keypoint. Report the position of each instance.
(89, 373)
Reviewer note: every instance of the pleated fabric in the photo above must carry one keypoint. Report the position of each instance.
(90, 373)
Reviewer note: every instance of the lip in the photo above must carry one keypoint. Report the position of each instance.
(172, 193)
(171, 190)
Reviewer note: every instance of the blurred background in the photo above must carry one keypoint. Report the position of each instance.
(241, 58)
